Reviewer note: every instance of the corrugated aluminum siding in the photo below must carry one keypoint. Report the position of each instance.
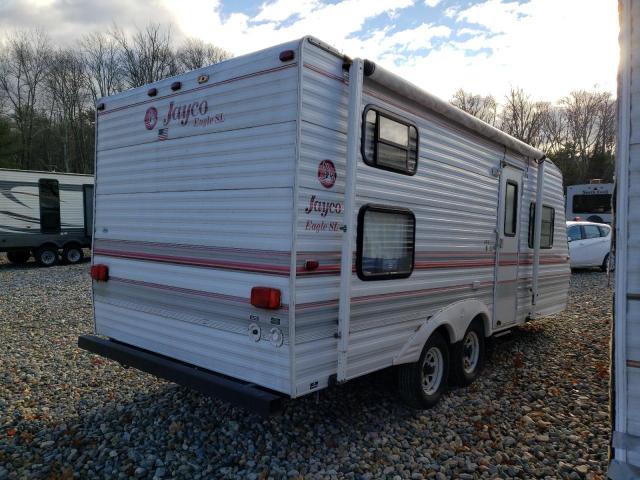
(627, 321)
(193, 212)
(454, 197)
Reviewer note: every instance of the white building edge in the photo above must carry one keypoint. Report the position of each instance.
(625, 399)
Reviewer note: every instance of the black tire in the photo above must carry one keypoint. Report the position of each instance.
(605, 263)
(72, 254)
(411, 377)
(465, 365)
(47, 256)
(18, 257)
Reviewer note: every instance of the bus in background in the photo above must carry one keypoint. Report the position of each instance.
(590, 202)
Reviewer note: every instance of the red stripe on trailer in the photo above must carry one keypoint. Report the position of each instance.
(203, 87)
(325, 73)
(100, 242)
(269, 269)
(188, 291)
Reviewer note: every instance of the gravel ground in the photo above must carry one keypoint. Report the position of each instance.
(539, 410)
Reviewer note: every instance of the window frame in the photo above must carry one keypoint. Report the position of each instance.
(58, 229)
(579, 227)
(532, 214)
(360, 241)
(584, 232)
(515, 210)
(88, 228)
(376, 139)
(606, 229)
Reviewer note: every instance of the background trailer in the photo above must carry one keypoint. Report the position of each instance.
(44, 214)
(293, 218)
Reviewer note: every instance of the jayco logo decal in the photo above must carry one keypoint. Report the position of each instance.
(322, 209)
(327, 173)
(195, 114)
(151, 118)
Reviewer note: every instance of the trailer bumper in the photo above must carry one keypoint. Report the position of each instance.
(246, 395)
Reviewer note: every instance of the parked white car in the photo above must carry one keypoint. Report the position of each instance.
(589, 244)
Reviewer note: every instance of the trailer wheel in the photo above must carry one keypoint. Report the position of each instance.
(72, 254)
(18, 257)
(422, 383)
(47, 255)
(468, 355)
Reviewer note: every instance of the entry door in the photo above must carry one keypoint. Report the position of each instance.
(87, 199)
(508, 231)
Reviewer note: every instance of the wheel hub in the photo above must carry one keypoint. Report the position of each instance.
(470, 352)
(432, 371)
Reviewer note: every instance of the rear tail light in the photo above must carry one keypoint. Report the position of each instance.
(287, 55)
(311, 265)
(100, 273)
(265, 297)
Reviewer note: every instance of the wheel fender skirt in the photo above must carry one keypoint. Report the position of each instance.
(455, 318)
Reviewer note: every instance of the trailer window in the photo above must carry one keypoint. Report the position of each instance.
(49, 194)
(386, 239)
(389, 142)
(548, 222)
(511, 209)
(598, 203)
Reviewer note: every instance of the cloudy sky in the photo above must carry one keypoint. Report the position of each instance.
(547, 47)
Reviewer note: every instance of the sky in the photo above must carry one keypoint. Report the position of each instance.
(547, 47)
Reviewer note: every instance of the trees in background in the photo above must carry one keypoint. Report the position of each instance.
(577, 132)
(48, 94)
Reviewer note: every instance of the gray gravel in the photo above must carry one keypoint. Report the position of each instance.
(540, 409)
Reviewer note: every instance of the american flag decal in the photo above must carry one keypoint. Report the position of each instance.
(163, 133)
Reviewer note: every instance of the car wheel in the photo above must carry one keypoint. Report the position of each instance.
(421, 384)
(47, 255)
(18, 257)
(72, 254)
(468, 355)
(605, 263)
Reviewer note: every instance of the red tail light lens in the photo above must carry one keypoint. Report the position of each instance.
(287, 55)
(100, 273)
(265, 297)
(311, 265)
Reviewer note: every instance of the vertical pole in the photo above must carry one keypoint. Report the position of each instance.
(349, 227)
(537, 231)
(620, 382)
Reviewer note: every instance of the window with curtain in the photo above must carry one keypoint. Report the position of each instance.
(389, 142)
(386, 238)
(548, 222)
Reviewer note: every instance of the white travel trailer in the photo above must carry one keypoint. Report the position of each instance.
(224, 259)
(625, 391)
(43, 214)
(590, 202)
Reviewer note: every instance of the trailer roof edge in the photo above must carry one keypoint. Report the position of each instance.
(407, 89)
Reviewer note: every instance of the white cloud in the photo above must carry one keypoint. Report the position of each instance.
(281, 10)
(547, 47)
(333, 23)
(432, 3)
